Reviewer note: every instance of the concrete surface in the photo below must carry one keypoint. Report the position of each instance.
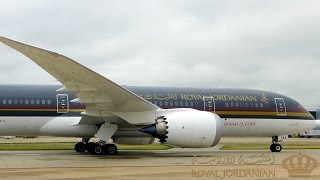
(210, 163)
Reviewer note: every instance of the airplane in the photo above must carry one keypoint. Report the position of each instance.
(89, 105)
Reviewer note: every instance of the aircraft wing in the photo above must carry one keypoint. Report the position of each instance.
(101, 95)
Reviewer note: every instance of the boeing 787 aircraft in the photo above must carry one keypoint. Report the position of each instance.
(90, 105)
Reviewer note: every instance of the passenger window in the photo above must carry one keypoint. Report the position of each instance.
(37, 101)
(191, 103)
(43, 101)
(246, 104)
(231, 104)
(171, 103)
(166, 103)
(196, 104)
(10, 101)
(4, 101)
(241, 104)
(261, 105)
(21, 101)
(181, 103)
(32, 101)
(226, 104)
(256, 105)
(15, 101)
(155, 103)
(176, 103)
(26, 101)
(186, 103)
(48, 101)
(160, 103)
(236, 104)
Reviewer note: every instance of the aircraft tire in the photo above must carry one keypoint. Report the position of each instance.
(80, 147)
(90, 147)
(110, 149)
(278, 147)
(272, 147)
(275, 147)
(98, 149)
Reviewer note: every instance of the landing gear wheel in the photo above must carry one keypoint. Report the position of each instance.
(98, 149)
(95, 149)
(80, 147)
(278, 147)
(275, 147)
(110, 149)
(90, 147)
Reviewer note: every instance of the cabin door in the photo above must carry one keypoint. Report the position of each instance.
(62, 103)
(209, 104)
(280, 106)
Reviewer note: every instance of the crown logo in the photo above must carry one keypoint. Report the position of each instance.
(299, 165)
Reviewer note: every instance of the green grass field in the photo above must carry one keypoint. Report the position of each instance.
(70, 146)
(267, 146)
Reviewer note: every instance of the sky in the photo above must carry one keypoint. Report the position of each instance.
(269, 45)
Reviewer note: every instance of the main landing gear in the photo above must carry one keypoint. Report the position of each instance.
(105, 132)
(275, 147)
(96, 148)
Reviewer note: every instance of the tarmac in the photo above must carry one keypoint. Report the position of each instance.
(176, 163)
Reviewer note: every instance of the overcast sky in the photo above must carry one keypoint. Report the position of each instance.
(268, 45)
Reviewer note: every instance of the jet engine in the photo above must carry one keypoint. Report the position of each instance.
(134, 140)
(188, 129)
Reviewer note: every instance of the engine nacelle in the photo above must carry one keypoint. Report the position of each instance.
(134, 141)
(188, 129)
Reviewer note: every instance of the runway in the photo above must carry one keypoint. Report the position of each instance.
(165, 164)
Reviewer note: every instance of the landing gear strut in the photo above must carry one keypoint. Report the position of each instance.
(275, 147)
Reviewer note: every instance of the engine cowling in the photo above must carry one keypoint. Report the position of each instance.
(188, 129)
(134, 140)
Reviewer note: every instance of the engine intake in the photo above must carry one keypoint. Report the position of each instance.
(189, 128)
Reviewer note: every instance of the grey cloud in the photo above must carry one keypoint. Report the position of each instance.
(270, 45)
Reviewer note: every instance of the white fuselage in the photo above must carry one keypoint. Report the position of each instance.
(265, 127)
(69, 127)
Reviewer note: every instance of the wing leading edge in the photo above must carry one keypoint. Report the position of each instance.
(101, 95)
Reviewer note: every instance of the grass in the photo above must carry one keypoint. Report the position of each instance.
(36, 146)
(70, 146)
(266, 146)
